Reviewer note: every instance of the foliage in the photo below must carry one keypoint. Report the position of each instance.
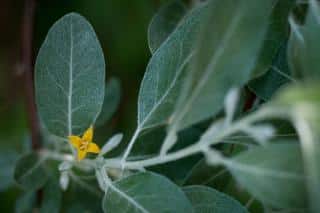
(196, 119)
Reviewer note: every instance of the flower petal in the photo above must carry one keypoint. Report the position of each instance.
(81, 154)
(75, 140)
(88, 134)
(93, 148)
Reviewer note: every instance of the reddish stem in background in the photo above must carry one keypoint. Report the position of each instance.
(247, 106)
(250, 101)
(27, 65)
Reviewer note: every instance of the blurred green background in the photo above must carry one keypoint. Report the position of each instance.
(121, 26)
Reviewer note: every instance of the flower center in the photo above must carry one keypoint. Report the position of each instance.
(84, 145)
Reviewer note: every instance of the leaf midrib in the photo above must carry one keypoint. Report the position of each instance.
(70, 80)
(128, 198)
(168, 91)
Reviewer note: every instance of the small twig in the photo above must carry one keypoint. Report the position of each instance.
(129, 148)
(199, 147)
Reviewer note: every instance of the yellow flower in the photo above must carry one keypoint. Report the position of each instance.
(84, 144)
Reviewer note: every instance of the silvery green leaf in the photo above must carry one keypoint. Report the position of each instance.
(230, 104)
(277, 181)
(205, 199)
(112, 143)
(64, 180)
(29, 172)
(69, 77)
(164, 22)
(165, 72)
(111, 100)
(52, 197)
(226, 52)
(145, 192)
(65, 165)
(260, 132)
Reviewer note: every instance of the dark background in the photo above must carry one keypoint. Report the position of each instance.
(121, 26)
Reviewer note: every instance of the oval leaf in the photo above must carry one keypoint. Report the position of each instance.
(69, 78)
(146, 192)
(205, 199)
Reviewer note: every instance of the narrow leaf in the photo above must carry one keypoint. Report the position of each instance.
(112, 143)
(163, 78)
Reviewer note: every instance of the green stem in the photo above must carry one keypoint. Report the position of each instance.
(129, 148)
